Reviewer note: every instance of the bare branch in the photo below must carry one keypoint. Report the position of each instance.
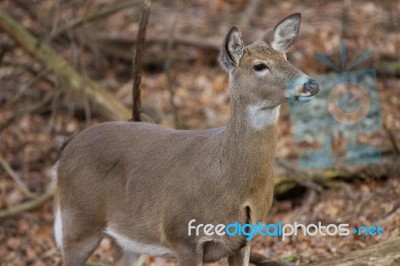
(167, 70)
(104, 102)
(27, 109)
(100, 14)
(16, 178)
(137, 60)
(29, 205)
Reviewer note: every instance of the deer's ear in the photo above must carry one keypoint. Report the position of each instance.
(232, 50)
(285, 33)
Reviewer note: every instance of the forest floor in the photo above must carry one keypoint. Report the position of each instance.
(31, 143)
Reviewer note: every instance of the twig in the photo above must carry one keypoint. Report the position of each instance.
(307, 206)
(392, 139)
(57, 17)
(16, 178)
(167, 70)
(32, 10)
(387, 218)
(29, 205)
(39, 75)
(346, 6)
(27, 109)
(7, 61)
(348, 190)
(100, 14)
(137, 60)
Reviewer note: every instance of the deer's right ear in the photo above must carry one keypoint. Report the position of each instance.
(232, 50)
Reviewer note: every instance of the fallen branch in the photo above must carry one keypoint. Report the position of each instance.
(104, 102)
(137, 60)
(382, 254)
(261, 260)
(29, 205)
(289, 176)
(100, 14)
(386, 68)
(24, 189)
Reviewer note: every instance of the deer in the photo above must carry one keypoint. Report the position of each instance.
(141, 183)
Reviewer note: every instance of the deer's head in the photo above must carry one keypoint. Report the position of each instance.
(259, 72)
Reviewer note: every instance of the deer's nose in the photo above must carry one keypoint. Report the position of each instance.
(311, 86)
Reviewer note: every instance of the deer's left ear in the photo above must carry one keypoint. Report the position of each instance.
(232, 49)
(285, 33)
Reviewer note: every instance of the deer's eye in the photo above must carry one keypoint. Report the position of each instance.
(260, 67)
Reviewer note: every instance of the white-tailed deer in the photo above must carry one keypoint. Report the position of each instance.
(141, 183)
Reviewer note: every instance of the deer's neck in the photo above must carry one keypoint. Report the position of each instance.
(250, 141)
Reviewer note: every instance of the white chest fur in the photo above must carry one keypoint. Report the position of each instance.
(260, 117)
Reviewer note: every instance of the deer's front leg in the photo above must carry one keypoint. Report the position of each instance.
(240, 257)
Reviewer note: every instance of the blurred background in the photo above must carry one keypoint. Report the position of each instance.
(75, 66)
